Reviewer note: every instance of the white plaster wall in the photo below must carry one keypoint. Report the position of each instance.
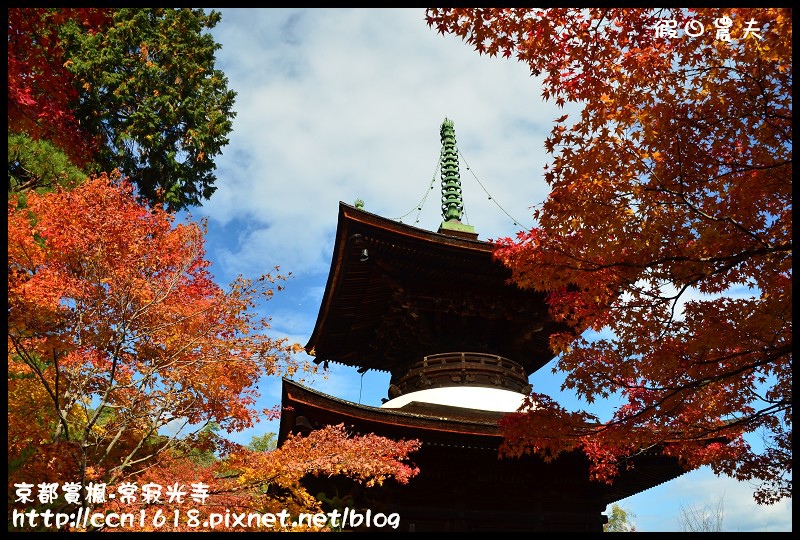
(473, 397)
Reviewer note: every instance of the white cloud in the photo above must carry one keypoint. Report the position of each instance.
(346, 103)
(659, 509)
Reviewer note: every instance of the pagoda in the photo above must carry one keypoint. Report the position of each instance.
(437, 312)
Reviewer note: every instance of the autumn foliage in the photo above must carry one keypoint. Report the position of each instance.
(42, 95)
(666, 240)
(131, 89)
(122, 350)
(252, 483)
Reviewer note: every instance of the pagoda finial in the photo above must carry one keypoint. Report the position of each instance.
(452, 203)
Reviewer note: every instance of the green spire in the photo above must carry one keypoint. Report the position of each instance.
(452, 203)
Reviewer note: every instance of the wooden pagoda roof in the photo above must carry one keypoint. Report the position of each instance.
(442, 426)
(396, 293)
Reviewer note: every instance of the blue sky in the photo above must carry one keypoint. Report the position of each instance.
(344, 104)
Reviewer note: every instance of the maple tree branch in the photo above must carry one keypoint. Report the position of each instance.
(672, 392)
(105, 396)
(52, 392)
